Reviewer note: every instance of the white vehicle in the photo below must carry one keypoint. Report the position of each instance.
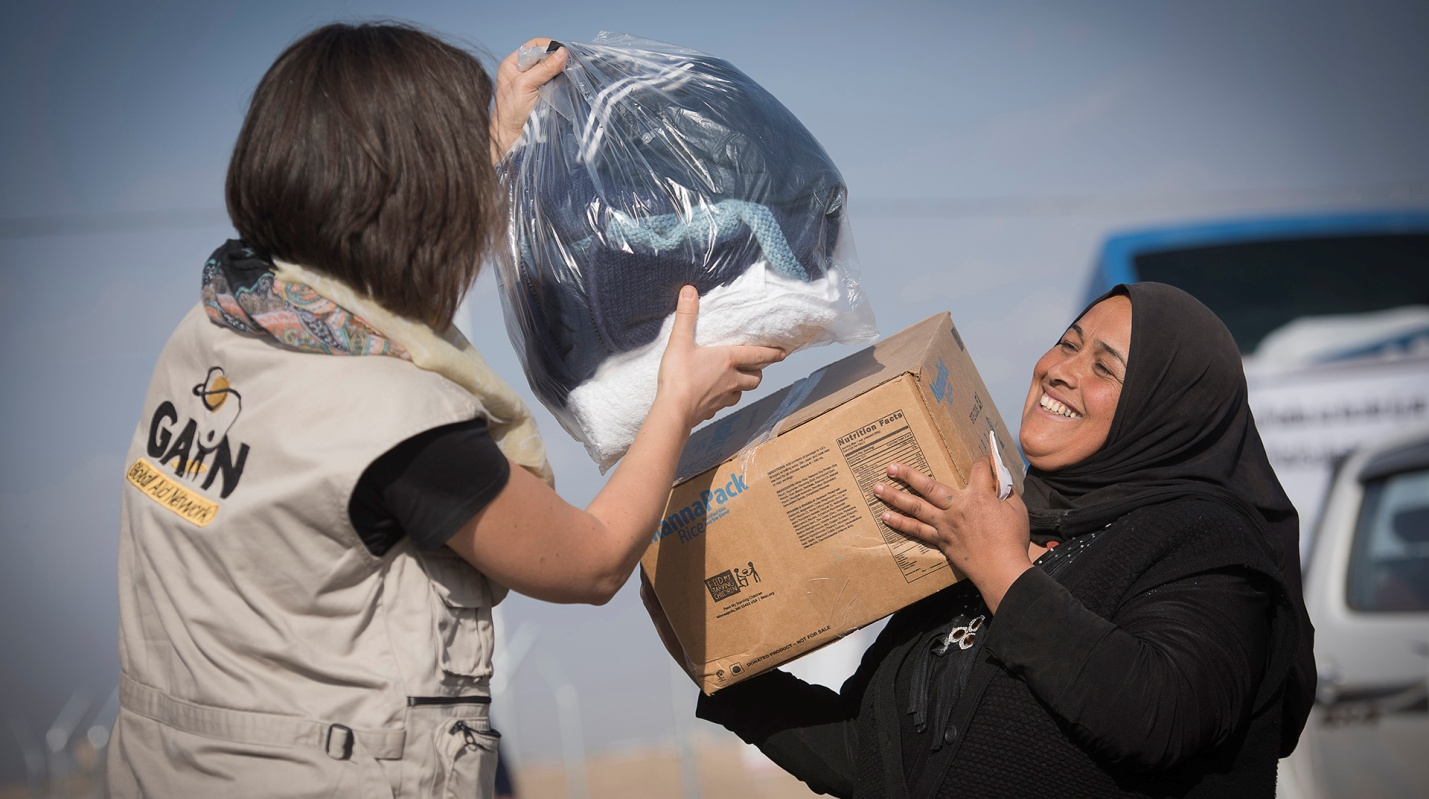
(1367, 589)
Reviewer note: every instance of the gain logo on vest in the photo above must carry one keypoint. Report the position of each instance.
(194, 448)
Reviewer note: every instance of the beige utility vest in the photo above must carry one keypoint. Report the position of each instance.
(263, 650)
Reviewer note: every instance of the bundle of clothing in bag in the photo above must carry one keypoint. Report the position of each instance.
(645, 168)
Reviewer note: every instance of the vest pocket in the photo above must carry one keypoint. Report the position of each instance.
(466, 756)
(461, 610)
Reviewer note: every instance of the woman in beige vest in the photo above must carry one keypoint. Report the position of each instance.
(327, 490)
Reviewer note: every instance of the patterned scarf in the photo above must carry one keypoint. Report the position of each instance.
(240, 291)
(312, 312)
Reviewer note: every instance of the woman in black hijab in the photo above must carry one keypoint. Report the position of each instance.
(1131, 626)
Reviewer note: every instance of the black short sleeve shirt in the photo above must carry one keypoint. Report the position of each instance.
(428, 486)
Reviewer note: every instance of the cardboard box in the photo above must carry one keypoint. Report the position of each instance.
(772, 546)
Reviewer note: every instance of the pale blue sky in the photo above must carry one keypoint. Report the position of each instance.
(988, 148)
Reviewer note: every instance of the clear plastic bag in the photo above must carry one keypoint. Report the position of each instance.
(646, 167)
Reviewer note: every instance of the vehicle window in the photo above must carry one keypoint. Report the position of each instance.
(1259, 286)
(1389, 564)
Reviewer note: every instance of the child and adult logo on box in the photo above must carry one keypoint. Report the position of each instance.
(729, 582)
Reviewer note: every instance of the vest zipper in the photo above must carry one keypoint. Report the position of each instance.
(466, 732)
(421, 701)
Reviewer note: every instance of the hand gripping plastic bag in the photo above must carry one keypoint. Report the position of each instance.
(646, 167)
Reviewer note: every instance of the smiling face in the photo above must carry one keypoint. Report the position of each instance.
(1076, 386)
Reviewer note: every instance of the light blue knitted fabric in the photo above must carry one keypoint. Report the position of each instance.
(716, 222)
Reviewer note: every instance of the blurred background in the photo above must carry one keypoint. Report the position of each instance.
(990, 150)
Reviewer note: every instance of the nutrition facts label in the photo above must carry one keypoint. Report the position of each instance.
(868, 450)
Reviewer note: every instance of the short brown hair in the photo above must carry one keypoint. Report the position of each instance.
(365, 156)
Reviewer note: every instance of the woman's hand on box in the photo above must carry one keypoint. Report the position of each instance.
(984, 538)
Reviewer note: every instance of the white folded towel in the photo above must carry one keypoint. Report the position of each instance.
(759, 307)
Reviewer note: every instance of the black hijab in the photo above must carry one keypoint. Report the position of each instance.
(1182, 427)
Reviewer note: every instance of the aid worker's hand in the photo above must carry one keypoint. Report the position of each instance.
(704, 380)
(517, 93)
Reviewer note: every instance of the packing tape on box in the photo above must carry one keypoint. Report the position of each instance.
(798, 392)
